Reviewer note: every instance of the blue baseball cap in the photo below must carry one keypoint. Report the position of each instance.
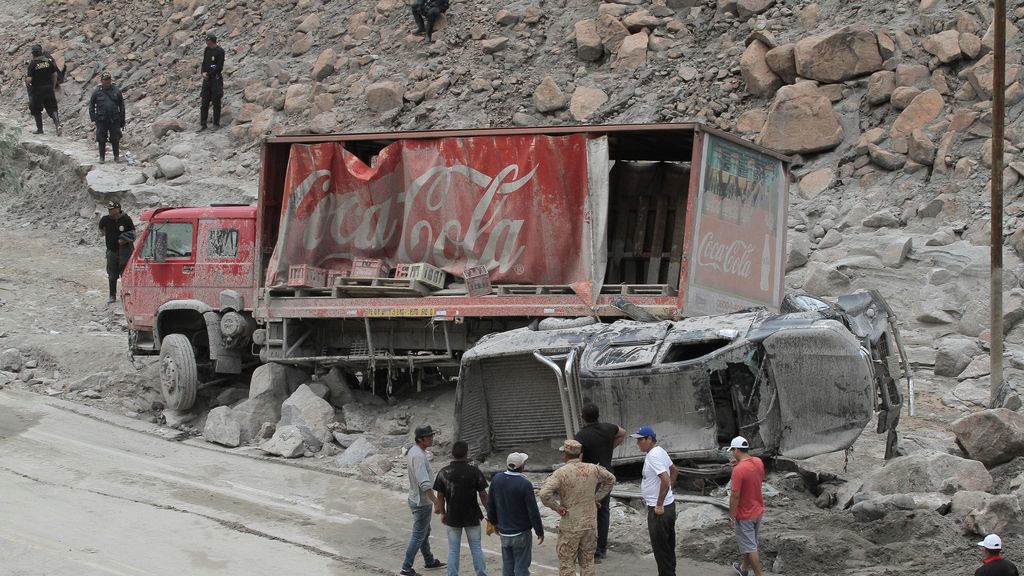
(645, 432)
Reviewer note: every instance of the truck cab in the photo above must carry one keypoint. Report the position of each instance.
(187, 293)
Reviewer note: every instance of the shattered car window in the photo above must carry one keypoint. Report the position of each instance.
(627, 356)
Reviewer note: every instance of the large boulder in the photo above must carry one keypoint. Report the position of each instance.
(356, 453)
(880, 87)
(11, 360)
(632, 53)
(162, 126)
(548, 97)
(924, 108)
(945, 46)
(307, 411)
(954, 354)
(337, 382)
(782, 61)
(222, 427)
(324, 65)
(991, 436)
(998, 514)
(384, 96)
(170, 166)
(838, 55)
(586, 101)
(929, 472)
(759, 77)
(612, 32)
(588, 42)
(269, 386)
(747, 8)
(801, 120)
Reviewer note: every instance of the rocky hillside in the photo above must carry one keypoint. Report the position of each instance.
(885, 105)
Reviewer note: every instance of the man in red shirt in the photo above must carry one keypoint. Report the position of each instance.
(746, 505)
(994, 564)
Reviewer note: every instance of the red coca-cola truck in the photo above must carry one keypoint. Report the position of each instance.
(391, 254)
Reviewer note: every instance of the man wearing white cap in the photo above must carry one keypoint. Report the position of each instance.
(994, 564)
(746, 505)
(512, 508)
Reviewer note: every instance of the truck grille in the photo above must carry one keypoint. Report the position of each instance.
(522, 401)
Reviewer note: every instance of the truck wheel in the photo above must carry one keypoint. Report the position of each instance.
(178, 376)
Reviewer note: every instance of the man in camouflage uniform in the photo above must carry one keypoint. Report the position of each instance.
(575, 491)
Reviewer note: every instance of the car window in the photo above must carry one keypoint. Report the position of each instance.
(222, 243)
(179, 240)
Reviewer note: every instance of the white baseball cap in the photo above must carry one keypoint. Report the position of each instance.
(516, 460)
(991, 542)
(739, 442)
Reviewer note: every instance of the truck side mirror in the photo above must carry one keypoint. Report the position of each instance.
(159, 246)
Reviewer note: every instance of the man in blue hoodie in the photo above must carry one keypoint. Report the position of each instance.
(512, 508)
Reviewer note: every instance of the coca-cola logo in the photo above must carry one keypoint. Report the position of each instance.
(733, 258)
(434, 226)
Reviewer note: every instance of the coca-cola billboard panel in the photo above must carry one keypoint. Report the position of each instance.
(517, 205)
(739, 233)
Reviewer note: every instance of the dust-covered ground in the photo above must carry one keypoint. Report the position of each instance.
(53, 309)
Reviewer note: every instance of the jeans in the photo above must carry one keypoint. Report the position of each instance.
(473, 534)
(516, 554)
(662, 530)
(420, 539)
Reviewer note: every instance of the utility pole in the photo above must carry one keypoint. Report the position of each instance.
(998, 391)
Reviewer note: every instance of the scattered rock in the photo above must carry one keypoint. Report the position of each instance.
(548, 97)
(324, 65)
(375, 465)
(585, 102)
(882, 219)
(222, 428)
(782, 61)
(885, 159)
(170, 167)
(288, 442)
(11, 360)
(589, 47)
(384, 96)
(838, 55)
(801, 120)
(991, 436)
(999, 514)
(880, 87)
(922, 110)
(492, 45)
(928, 472)
(945, 46)
(305, 410)
(356, 453)
(632, 53)
(954, 354)
(758, 76)
(895, 253)
(161, 126)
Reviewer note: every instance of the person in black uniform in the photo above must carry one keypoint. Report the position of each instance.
(599, 440)
(41, 79)
(213, 81)
(426, 12)
(118, 230)
(106, 110)
(994, 564)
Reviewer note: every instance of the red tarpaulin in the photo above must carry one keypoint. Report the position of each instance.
(519, 205)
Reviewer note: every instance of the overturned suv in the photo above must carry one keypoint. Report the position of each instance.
(798, 383)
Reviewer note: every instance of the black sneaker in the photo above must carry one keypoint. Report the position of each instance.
(409, 572)
(435, 564)
(201, 129)
(736, 568)
(37, 131)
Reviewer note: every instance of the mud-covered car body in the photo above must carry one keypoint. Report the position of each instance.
(798, 383)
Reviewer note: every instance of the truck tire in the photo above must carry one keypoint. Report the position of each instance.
(178, 376)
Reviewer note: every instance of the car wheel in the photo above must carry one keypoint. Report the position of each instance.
(178, 376)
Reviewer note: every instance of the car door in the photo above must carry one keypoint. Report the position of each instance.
(147, 283)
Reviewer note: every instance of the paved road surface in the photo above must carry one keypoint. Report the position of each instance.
(82, 496)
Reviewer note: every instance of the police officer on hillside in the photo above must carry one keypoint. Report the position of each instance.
(41, 79)
(213, 81)
(426, 12)
(106, 110)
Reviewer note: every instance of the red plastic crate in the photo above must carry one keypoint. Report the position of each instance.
(370, 268)
(478, 281)
(303, 276)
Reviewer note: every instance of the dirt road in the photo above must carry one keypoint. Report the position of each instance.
(81, 495)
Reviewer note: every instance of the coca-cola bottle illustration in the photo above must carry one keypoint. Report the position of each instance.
(766, 270)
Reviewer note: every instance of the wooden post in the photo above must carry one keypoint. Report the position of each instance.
(998, 391)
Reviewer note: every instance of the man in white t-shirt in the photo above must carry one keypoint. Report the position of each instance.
(659, 478)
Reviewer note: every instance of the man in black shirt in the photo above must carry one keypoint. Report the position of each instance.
(41, 79)
(106, 110)
(599, 440)
(213, 81)
(994, 564)
(118, 230)
(458, 486)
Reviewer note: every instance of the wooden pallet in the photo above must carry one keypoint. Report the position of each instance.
(372, 287)
(640, 289)
(294, 292)
(531, 289)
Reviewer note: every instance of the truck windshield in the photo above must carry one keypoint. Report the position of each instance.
(179, 240)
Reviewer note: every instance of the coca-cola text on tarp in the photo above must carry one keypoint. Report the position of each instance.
(517, 205)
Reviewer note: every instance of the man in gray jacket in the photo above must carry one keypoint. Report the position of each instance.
(106, 110)
(421, 501)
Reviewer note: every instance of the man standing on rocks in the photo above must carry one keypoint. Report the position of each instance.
(994, 564)
(575, 491)
(426, 13)
(512, 508)
(106, 110)
(421, 501)
(213, 81)
(599, 440)
(41, 79)
(746, 505)
(659, 476)
(458, 485)
(118, 231)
